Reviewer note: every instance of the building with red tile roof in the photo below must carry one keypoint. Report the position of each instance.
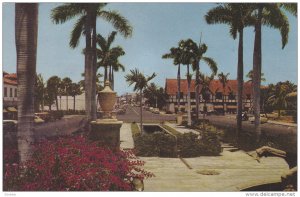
(216, 95)
(10, 86)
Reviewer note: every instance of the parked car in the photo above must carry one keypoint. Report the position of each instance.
(263, 119)
(155, 111)
(38, 120)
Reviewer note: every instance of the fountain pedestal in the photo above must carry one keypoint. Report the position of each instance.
(106, 130)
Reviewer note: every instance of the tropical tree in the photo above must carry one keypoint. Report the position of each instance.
(26, 29)
(66, 83)
(279, 97)
(187, 55)
(53, 85)
(156, 96)
(250, 76)
(109, 57)
(176, 55)
(39, 92)
(86, 25)
(140, 83)
(237, 16)
(205, 91)
(198, 52)
(223, 78)
(271, 15)
(74, 90)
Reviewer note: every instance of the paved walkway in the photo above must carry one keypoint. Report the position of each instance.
(233, 170)
(126, 136)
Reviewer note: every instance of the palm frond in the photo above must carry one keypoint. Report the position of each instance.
(290, 7)
(66, 12)
(212, 64)
(76, 32)
(119, 22)
(111, 38)
(101, 41)
(218, 15)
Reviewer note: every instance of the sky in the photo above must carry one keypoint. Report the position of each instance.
(156, 28)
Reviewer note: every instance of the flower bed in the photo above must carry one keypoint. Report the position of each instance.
(74, 163)
(162, 144)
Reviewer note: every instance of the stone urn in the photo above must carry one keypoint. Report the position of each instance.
(107, 99)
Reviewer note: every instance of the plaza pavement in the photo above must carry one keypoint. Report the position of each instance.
(233, 170)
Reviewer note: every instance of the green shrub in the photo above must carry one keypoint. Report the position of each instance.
(56, 115)
(189, 145)
(165, 143)
(145, 145)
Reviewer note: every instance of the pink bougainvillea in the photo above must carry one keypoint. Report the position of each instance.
(74, 164)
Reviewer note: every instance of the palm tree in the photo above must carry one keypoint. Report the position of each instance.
(237, 16)
(140, 83)
(39, 92)
(74, 90)
(198, 52)
(187, 55)
(271, 15)
(53, 85)
(86, 25)
(205, 91)
(176, 54)
(223, 78)
(250, 76)
(109, 57)
(67, 82)
(26, 29)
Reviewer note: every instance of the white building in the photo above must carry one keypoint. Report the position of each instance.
(10, 90)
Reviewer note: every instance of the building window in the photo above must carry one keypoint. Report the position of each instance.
(231, 96)
(193, 95)
(219, 95)
(10, 92)
(5, 92)
(16, 92)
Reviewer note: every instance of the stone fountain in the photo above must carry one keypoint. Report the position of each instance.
(107, 129)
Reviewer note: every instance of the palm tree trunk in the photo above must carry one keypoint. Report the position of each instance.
(26, 32)
(223, 100)
(257, 74)
(178, 92)
(94, 72)
(56, 102)
(60, 102)
(88, 68)
(240, 73)
(189, 96)
(197, 90)
(105, 74)
(141, 111)
(74, 103)
(112, 80)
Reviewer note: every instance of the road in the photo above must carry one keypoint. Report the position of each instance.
(133, 114)
(269, 128)
(228, 121)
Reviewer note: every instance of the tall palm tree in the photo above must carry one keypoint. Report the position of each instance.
(109, 57)
(223, 78)
(53, 84)
(67, 82)
(198, 52)
(140, 83)
(271, 15)
(176, 54)
(86, 25)
(237, 16)
(26, 32)
(74, 90)
(39, 93)
(205, 91)
(187, 55)
(250, 76)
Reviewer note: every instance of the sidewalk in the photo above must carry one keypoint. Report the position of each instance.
(282, 123)
(126, 136)
(233, 170)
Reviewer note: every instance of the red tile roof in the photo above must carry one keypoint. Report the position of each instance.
(215, 86)
(10, 79)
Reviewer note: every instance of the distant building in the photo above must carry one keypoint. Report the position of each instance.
(10, 95)
(215, 95)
